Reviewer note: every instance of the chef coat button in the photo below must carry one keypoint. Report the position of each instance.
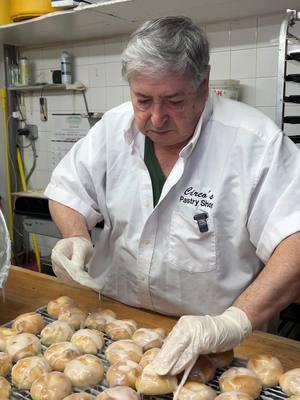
(146, 242)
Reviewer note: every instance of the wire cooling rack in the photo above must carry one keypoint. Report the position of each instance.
(274, 393)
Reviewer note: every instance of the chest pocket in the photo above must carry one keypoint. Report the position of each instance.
(189, 249)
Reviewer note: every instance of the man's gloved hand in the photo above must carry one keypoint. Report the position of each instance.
(194, 335)
(69, 259)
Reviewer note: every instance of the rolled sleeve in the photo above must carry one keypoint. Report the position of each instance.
(275, 211)
(56, 193)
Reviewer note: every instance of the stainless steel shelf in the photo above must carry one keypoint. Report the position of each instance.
(284, 56)
(45, 87)
(119, 17)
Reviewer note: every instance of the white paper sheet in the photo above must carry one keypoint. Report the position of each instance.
(67, 130)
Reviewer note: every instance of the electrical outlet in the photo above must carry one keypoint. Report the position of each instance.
(33, 132)
(17, 115)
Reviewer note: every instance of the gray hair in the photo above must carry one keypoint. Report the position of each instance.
(167, 44)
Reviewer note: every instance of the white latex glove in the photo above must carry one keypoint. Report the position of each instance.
(194, 335)
(70, 258)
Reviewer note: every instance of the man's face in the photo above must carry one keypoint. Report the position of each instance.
(167, 106)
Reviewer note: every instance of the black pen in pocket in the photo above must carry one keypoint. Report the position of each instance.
(201, 220)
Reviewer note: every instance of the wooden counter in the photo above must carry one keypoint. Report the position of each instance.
(27, 291)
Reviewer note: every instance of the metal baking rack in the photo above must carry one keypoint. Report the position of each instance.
(274, 393)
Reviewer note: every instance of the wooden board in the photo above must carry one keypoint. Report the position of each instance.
(27, 290)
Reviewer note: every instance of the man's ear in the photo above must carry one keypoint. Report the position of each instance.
(205, 83)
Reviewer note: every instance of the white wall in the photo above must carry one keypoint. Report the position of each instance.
(245, 49)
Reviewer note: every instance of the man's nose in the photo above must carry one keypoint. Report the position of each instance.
(159, 115)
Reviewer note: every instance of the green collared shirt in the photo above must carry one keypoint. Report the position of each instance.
(158, 178)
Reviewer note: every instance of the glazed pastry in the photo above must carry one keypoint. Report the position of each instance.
(148, 338)
(123, 350)
(51, 386)
(290, 382)
(118, 393)
(148, 357)
(123, 373)
(56, 332)
(196, 391)
(79, 396)
(223, 359)
(22, 345)
(74, 316)
(59, 354)
(88, 340)
(27, 370)
(5, 364)
(203, 371)
(121, 329)
(2, 342)
(5, 333)
(86, 370)
(29, 322)
(99, 319)
(267, 368)
(55, 306)
(233, 396)
(5, 388)
(241, 380)
(149, 383)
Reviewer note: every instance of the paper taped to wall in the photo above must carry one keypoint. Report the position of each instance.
(67, 130)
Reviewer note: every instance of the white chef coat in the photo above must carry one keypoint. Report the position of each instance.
(238, 167)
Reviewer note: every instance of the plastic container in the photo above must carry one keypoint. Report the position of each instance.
(14, 75)
(4, 12)
(228, 88)
(25, 9)
(66, 67)
(24, 71)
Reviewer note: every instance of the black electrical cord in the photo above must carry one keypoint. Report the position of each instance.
(89, 114)
(35, 156)
(31, 144)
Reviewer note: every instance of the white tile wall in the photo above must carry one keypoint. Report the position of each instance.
(220, 65)
(267, 61)
(243, 34)
(243, 64)
(219, 36)
(245, 49)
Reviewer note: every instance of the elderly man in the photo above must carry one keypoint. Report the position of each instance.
(199, 196)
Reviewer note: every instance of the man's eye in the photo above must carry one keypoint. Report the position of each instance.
(175, 103)
(143, 101)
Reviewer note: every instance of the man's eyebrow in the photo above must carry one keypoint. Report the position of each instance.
(177, 94)
(141, 94)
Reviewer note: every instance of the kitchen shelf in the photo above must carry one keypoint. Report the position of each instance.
(293, 78)
(284, 57)
(118, 17)
(291, 119)
(44, 87)
(292, 99)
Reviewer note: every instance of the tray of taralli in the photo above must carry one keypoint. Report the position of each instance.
(64, 352)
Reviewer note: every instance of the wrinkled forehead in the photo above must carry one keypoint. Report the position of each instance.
(163, 84)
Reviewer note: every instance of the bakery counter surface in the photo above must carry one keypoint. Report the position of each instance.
(26, 291)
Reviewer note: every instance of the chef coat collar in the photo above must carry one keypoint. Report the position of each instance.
(188, 148)
(131, 131)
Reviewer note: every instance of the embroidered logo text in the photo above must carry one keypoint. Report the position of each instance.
(197, 198)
